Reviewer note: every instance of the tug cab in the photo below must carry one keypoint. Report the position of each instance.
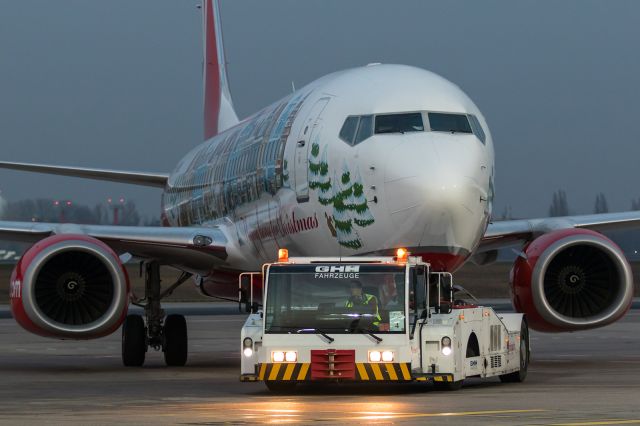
(365, 319)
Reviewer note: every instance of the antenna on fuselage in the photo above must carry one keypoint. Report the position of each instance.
(293, 87)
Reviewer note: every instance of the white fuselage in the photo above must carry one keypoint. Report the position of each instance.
(285, 178)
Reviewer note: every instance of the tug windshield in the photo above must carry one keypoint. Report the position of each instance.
(336, 298)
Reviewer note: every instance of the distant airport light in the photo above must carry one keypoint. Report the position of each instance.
(56, 203)
(69, 203)
(283, 255)
(121, 200)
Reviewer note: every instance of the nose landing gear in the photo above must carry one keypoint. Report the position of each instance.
(168, 334)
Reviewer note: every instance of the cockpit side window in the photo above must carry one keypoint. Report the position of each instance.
(365, 129)
(453, 123)
(477, 128)
(399, 123)
(348, 131)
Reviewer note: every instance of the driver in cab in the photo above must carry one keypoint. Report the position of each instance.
(359, 299)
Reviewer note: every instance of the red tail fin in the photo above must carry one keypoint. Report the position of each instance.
(218, 108)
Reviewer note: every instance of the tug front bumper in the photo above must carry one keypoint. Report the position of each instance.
(356, 372)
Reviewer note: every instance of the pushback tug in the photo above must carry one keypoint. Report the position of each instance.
(362, 319)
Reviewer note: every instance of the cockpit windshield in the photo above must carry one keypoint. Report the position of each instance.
(399, 123)
(336, 298)
(454, 123)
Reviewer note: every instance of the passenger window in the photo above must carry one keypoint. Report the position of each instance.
(399, 123)
(348, 131)
(477, 128)
(365, 129)
(454, 123)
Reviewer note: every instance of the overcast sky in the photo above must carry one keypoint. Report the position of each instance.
(117, 83)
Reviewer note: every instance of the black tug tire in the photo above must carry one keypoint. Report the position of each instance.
(280, 387)
(134, 341)
(448, 386)
(521, 374)
(175, 341)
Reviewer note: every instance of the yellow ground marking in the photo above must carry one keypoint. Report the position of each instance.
(418, 415)
(289, 371)
(601, 422)
(362, 371)
(376, 371)
(274, 372)
(303, 371)
(391, 371)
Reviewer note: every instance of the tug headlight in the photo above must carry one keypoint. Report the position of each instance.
(290, 356)
(381, 356)
(282, 356)
(446, 346)
(247, 345)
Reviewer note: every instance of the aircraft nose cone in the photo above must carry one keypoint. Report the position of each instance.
(433, 198)
(404, 181)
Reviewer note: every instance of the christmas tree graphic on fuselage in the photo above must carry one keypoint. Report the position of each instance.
(344, 193)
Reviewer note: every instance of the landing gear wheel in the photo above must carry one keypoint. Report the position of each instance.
(175, 340)
(134, 341)
(280, 387)
(521, 374)
(448, 386)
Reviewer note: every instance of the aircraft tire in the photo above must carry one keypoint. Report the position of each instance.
(175, 345)
(134, 341)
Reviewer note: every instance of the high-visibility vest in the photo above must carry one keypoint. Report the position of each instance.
(368, 298)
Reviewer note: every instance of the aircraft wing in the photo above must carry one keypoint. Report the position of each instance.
(193, 249)
(158, 180)
(508, 233)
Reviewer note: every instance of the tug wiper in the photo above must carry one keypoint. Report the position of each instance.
(378, 339)
(316, 331)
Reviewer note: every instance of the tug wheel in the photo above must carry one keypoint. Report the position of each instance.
(280, 386)
(521, 374)
(448, 386)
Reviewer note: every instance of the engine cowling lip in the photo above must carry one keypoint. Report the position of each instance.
(115, 310)
(621, 303)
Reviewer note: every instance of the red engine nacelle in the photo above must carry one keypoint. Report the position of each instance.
(69, 287)
(573, 279)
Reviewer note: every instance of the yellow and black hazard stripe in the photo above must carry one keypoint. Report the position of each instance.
(284, 371)
(435, 378)
(364, 371)
(383, 371)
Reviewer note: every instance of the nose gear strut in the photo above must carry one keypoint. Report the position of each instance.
(168, 334)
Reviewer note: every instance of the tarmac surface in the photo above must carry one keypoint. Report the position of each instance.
(586, 378)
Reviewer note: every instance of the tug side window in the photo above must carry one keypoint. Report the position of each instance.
(417, 294)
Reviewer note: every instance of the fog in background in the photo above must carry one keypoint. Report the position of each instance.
(117, 84)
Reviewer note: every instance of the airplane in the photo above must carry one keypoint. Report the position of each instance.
(358, 162)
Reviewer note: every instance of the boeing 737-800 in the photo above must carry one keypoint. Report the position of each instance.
(358, 162)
